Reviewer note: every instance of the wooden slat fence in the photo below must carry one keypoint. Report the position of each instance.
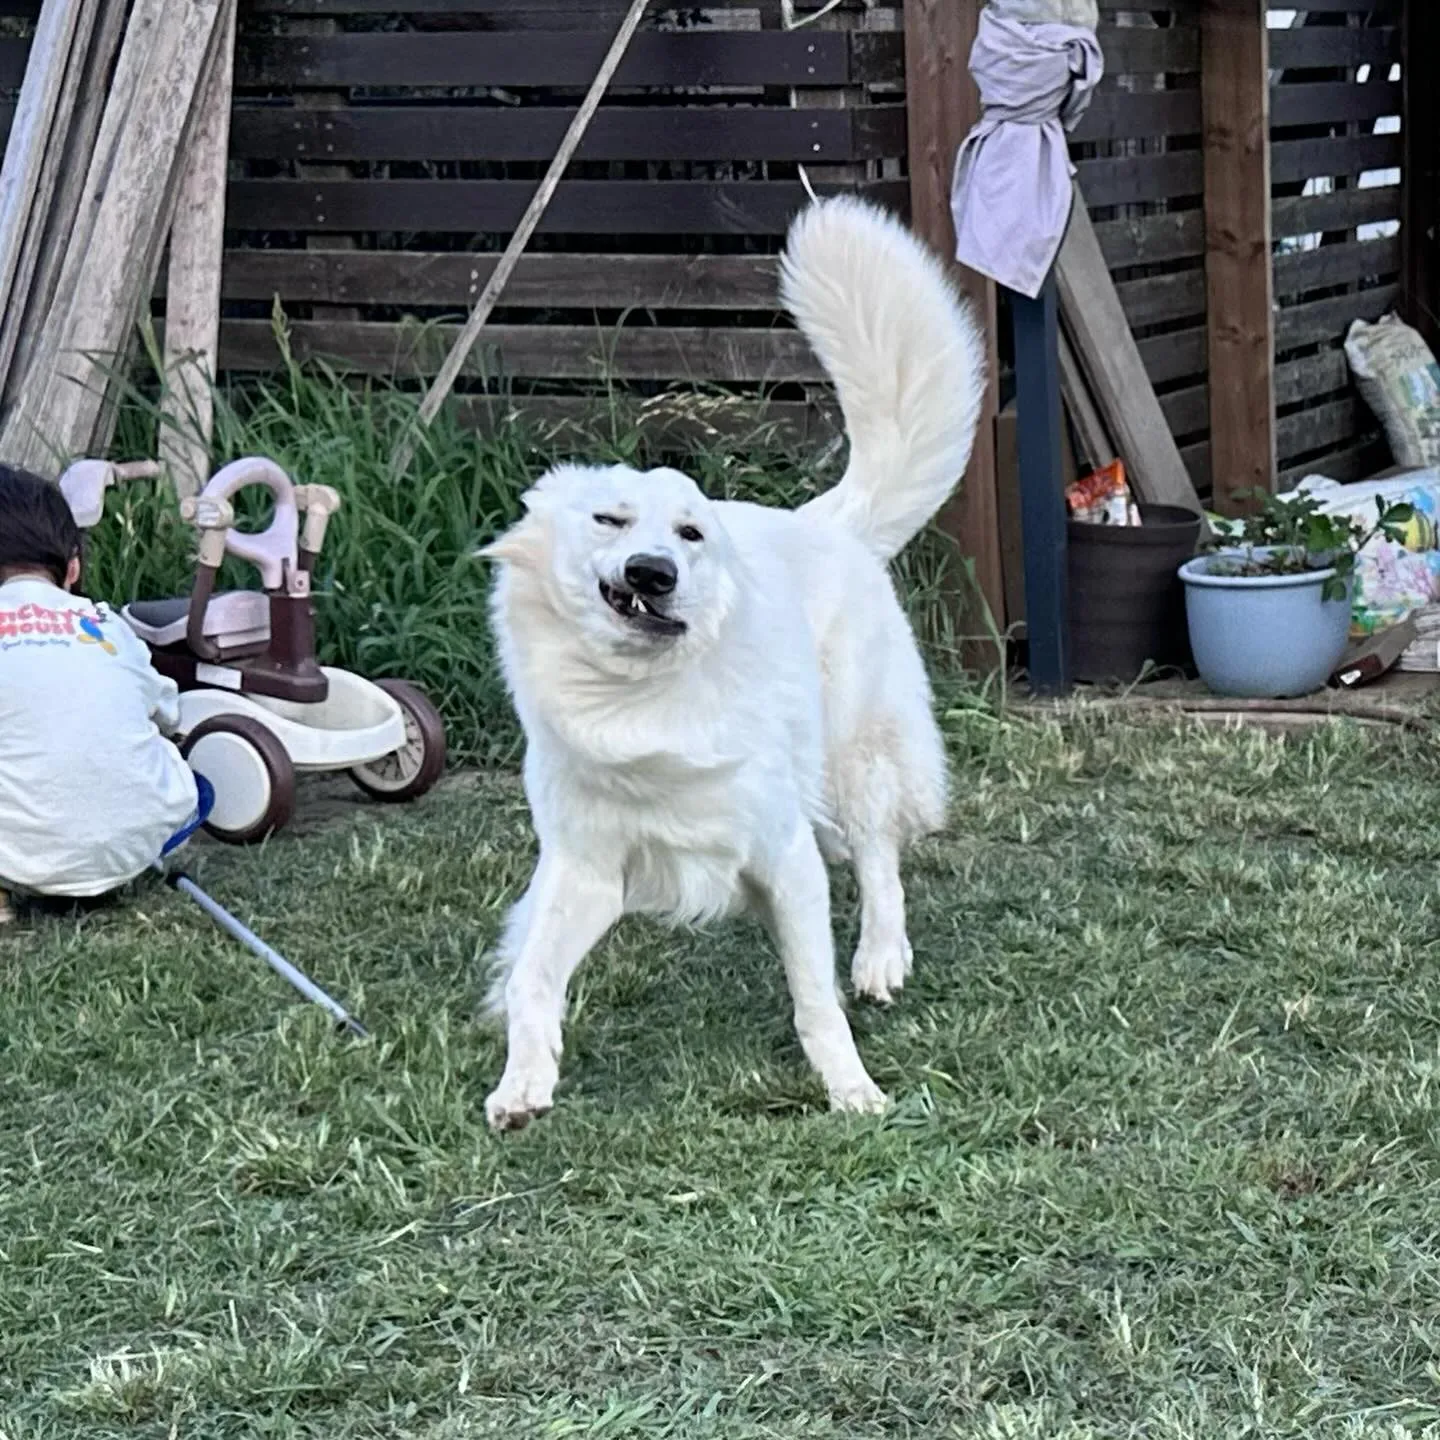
(383, 149)
(1335, 110)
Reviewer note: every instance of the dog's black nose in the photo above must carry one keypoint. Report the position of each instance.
(650, 574)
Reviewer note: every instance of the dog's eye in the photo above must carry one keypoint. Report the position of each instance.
(690, 533)
(614, 521)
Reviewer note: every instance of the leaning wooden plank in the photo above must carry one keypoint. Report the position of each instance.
(192, 305)
(106, 100)
(1112, 365)
(102, 431)
(66, 167)
(454, 362)
(36, 114)
(88, 325)
(1091, 438)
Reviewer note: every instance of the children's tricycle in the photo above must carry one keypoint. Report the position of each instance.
(255, 706)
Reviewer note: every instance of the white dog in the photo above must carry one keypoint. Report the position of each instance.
(713, 694)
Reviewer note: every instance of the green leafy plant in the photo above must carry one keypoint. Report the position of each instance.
(1290, 534)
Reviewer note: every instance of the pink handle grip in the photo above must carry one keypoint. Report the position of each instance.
(278, 545)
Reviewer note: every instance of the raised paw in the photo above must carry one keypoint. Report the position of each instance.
(861, 1096)
(518, 1100)
(880, 968)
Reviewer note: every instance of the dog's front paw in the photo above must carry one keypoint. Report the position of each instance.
(880, 968)
(861, 1096)
(518, 1100)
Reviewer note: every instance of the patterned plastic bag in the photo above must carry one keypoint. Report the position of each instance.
(1395, 371)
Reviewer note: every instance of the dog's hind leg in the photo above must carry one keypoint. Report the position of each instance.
(562, 916)
(794, 898)
(889, 786)
(883, 958)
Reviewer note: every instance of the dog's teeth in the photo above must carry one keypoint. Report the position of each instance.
(635, 603)
(641, 606)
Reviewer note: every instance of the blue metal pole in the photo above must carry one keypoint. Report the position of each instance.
(272, 957)
(1036, 327)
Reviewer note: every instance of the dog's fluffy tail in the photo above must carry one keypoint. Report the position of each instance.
(906, 358)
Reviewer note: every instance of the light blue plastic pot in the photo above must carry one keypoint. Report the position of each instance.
(1264, 637)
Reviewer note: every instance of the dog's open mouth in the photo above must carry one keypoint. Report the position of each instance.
(639, 611)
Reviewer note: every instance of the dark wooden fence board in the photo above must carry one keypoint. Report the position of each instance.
(1319, 47)
(1333, 102)
(552, 282)
(580, 207)
(1343, 210)
(1152, 239)
(568, 59)
(1300, 381)
(1320, 321)
(796, 422)
(1161, 298)
(1337, 265)
(552, 352)
(1120, 114)
(1137, 150)
(1292, 161)
(1132, 51)
(1135, 179)
(532, 133)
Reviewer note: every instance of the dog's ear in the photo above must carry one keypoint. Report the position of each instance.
(521, 544)
(560, 482)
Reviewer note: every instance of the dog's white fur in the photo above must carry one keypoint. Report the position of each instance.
(691, 775)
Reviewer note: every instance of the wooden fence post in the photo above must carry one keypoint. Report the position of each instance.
(1235, 95)
(942, 104)
(1420, 177)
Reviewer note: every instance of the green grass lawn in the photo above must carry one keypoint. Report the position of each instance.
(1162, 1163)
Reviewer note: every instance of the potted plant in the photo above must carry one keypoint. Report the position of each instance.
(1269, 608)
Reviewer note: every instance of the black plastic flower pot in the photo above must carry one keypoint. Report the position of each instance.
(1127, 605)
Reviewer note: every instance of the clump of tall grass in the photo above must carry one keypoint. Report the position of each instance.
(398, 591)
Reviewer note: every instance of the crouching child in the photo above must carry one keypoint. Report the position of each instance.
(92, 792)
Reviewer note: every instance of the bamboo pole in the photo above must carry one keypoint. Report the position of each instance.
(192, 303)
(455, 361)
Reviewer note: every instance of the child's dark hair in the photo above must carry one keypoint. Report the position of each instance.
(37, 530)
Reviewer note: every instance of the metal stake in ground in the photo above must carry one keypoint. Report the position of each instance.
(273, 958)
(465, 342)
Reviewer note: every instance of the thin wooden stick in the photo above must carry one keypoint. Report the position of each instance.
(1342, 708)
(192, 303)
(465, 342)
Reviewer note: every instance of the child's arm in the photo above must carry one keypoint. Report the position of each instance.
(161, 695)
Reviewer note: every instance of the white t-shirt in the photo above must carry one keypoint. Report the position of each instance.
(90, 790)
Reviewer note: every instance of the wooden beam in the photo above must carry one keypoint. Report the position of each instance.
(1235, 98)
(1420, 177)
(1110, 359)
(942, 104)
(197, 247)
(1091, 438)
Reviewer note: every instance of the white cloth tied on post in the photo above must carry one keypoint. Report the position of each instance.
(1013, 184)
